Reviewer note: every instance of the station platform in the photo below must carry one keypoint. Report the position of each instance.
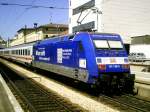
(8, 102)
(76, 97)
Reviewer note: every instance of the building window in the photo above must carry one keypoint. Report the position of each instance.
(46, 29)
(46, 36)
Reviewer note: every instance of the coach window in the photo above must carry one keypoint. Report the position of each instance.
(28, 51)
(23, 51)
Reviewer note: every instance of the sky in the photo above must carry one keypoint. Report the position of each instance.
(12, 18)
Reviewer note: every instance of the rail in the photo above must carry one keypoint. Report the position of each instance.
(127, 102)
(35, 97)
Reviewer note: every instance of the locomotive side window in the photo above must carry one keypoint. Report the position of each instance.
(101, 44)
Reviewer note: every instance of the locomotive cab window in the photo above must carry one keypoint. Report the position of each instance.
(101, 44)
(115, 44)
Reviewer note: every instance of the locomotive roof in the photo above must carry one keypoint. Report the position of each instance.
(66, 37)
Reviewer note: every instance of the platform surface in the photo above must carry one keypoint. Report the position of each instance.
(5, 105)
(8, 102)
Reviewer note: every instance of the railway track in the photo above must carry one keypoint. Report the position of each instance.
(126, 103)
(35, 98)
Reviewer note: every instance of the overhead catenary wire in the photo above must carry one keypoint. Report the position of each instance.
(20, 15)
(32, 6)
(28, 7)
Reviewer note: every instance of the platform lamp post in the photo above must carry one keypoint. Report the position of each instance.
(35, 27)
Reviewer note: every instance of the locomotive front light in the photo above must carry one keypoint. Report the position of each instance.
(102, 67)
(125, 66)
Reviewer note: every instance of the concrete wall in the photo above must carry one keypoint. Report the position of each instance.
(126, 17)
(129, 18)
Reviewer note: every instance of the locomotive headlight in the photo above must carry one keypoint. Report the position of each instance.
(125, 66)
(102, 67)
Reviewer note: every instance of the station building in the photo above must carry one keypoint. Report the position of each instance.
(3, 43)
(129, 18)
(26, 35)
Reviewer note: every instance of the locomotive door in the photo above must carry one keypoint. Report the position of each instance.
(79, 59)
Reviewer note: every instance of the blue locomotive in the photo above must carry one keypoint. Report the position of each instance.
(98, 59)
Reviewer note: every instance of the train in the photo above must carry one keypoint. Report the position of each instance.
(96, 59)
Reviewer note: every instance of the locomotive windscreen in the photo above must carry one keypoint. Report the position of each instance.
(115, 44)
(101, 44)
(108, 44)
